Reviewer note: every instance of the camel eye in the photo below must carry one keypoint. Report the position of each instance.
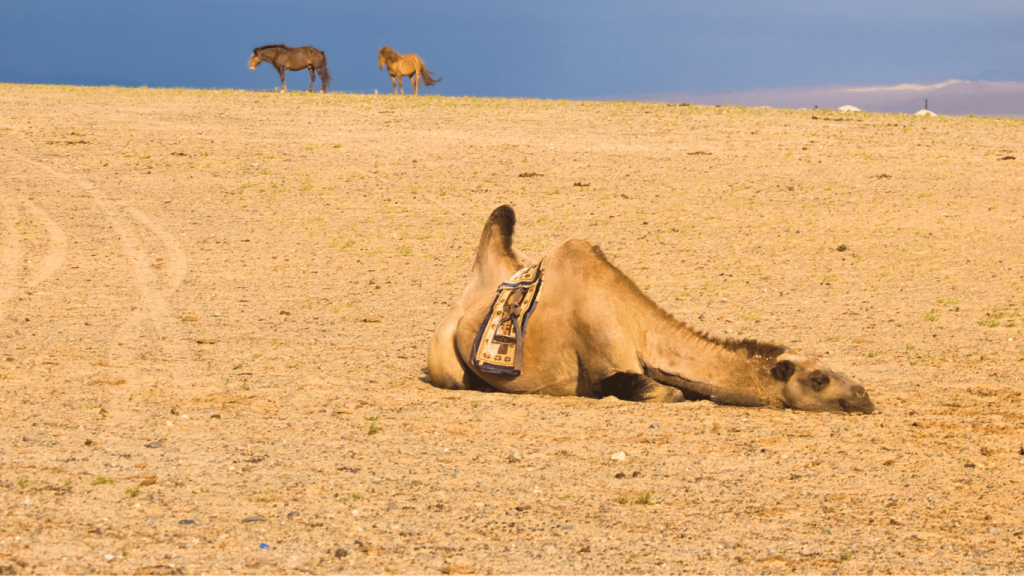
(819, 380)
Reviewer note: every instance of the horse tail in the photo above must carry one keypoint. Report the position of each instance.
(428, 79)
(325, 78)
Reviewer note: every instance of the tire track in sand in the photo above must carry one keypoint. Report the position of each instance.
(58, 245)
(17, 271)
(150, 340)
(11, 253)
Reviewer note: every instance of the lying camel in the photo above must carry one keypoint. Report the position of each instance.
(593, 333)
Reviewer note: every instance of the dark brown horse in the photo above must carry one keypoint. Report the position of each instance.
(287, 58)
(405, 65)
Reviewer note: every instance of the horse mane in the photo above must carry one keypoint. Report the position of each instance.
(753, 348)
(389, 54)
(258, 48)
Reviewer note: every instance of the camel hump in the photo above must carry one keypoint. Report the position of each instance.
(495, 257)
(501, 222)
(576, 252)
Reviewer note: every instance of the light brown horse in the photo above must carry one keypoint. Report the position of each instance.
(594, 333)
(405, 65)
(287, 58)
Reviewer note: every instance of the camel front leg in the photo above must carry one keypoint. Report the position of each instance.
(312, 78)
(638, 388)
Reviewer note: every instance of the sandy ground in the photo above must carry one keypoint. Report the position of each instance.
(215, 306)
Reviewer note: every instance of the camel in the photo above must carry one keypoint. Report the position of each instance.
(594, 333)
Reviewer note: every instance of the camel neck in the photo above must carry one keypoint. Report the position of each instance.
(725, 371)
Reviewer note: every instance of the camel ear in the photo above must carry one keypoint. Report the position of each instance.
(783, 370)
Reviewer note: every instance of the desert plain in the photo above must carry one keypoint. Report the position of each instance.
(215, 308)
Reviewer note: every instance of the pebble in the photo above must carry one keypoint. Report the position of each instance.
(655, 425)
(620, 456)
(515, 457)
(186, 522)
(264, 546)
(257, 518)
(156, 444)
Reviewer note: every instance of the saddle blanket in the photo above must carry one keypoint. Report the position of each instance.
(498, 348)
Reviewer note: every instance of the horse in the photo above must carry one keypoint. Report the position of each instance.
(405, 65)
(287, 58)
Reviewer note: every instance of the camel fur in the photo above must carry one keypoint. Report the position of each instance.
(594, 333)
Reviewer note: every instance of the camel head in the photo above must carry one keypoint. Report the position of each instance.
(810, 385)
(254, 61)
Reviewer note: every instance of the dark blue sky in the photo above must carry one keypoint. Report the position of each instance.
(527, 48)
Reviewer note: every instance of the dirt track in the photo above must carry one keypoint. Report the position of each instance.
(215, 307)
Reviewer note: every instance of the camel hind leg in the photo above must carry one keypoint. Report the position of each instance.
(638, 388)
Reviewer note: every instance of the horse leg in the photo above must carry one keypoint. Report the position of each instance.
(284, 88)
(393, 84)
(400, 86)
(415, 79)
(312, 78)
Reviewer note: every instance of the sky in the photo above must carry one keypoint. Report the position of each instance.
(571, 49)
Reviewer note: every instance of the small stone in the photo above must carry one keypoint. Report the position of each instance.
(186, 522)
(256, 518)
(156, 444)
(458, 568)
(148, 480)
(655, 425)
(619, 456)
(515, 458)
(293, 513)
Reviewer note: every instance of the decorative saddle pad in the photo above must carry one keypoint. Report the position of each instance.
(498, 348)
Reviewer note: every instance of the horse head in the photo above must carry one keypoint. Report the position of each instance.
(386, 56)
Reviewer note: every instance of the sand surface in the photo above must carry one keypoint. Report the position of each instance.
(215, 306)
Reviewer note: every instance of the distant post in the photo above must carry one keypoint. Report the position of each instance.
(925, 103)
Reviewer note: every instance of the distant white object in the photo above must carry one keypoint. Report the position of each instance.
(925, 113)
(849, 109)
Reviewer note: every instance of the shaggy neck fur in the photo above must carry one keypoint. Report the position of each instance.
(728, 371)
